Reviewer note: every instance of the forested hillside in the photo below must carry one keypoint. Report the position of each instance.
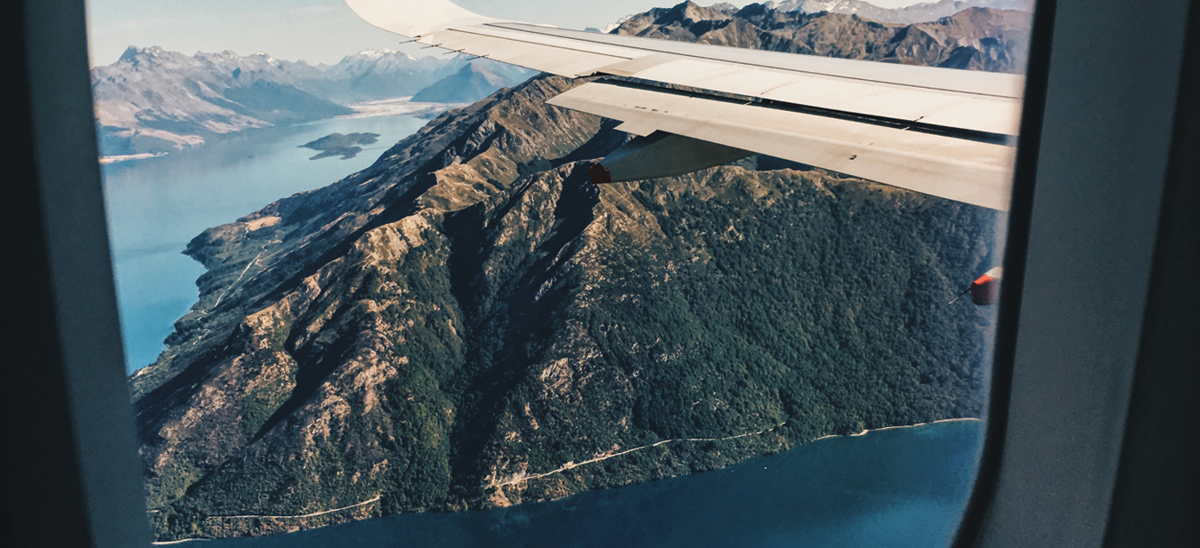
(470, 323)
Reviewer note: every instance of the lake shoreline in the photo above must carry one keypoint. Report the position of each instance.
(885, 428)
(532, 506)
(383, 108)
(104, 160)
(155, 206)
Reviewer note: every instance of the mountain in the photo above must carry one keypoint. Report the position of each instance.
(153, 100)
(469, 323)
(666, 22)
(975, 38)
(378, 74)
(474, 81)
(916, 13)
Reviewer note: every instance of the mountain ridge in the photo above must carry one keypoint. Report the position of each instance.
(923, 12)
(973, 39)
(152, 100)
(477, 78)
(468, 321)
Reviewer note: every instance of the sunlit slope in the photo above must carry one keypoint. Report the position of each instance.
(469, 323)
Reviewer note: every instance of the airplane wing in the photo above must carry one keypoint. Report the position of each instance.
(945, 132)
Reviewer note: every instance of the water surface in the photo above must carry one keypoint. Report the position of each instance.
(900, 488)
(156, 205)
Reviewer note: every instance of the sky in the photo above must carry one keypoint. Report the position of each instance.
(317, 31)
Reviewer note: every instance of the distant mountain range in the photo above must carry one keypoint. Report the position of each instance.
(974, 38)
(153, 100)
(916, 13)
(372, 75)
(475, 80)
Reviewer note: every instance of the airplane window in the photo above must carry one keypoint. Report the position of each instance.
(437, 274)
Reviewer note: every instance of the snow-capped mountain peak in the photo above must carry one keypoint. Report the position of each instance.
(916, 13)
(376, 53)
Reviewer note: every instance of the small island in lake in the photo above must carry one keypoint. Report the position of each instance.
(338, 144)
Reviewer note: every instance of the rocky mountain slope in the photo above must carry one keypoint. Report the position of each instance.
(916, 13)
(975, 38)
(469, 323)
(152, 100)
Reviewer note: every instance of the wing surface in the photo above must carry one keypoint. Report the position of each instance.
(967, 171)
(953, 129)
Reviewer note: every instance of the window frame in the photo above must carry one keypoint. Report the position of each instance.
(1065, 358)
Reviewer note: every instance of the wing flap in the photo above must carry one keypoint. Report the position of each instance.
(972, 112)
(972, 172)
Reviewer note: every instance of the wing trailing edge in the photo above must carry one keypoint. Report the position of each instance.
(943, 132)
(969, 171)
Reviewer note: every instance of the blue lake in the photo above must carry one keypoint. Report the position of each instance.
(155, 206)
(899, 488)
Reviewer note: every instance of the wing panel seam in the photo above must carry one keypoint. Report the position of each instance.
(516, 27)
(882, 121)
(494, 37)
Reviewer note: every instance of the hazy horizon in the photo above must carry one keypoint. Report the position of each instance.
(315, 31)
